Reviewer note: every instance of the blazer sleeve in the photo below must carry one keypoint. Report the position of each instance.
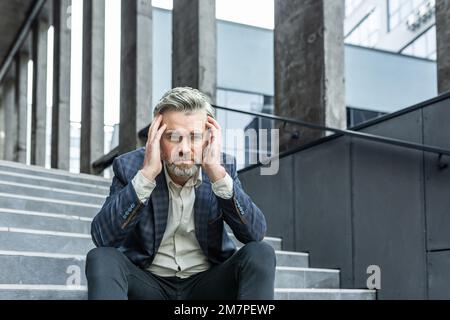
(118, 215)
(245, 219)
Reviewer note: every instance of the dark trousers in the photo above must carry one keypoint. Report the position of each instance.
(247, 275)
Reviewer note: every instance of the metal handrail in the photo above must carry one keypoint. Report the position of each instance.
(21, 37)
(105, 161)
(356, 134)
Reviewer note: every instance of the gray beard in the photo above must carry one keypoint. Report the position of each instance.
(182, 172)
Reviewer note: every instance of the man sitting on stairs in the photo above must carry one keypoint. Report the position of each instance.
(160, 233)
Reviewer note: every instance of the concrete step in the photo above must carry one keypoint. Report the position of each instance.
(292, 259)
(44, 221)
(25, 239)
(275, 242)
(15, 239)
(30, 179)
(12, 218)
(53, 173)
(51, 193)
(26, 267)
(324, 294)
(20, 267)
(288, 277)
(42, 292)
(39, 204)
(62, 292)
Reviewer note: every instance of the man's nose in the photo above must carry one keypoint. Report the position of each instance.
(185, 148)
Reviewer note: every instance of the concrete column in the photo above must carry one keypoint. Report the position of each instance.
(92, 114)
(60, 139)
(309, 66)
(10, 116)
(194, 45)
(21, 106)
(443, 44)
(136, 72)
(39, 108)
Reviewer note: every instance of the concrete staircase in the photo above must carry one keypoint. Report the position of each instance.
(45, 218)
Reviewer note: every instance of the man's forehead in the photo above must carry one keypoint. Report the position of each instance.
(190, 122)
(191, 127)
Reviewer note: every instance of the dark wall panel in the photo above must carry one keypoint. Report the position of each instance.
(388, 210)
(274, 195)
(437, 183)
(359, 203)
(323, 206)
(439, 275)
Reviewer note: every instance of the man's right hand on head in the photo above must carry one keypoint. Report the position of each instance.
(152, 165)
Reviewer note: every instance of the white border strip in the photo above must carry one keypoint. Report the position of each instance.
(293, 290)
(42, 287)
(306, 269)
(292, 253)
(273, 239)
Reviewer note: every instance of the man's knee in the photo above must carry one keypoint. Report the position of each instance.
(103, 259)
(259, 255)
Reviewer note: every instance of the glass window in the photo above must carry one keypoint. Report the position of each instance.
(400, 10)
(351, 6)
(367, 33)
(241, 147)
(110, 142)
(424, 46)
(358, 116)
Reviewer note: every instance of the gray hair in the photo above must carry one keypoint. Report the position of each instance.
(184, 99)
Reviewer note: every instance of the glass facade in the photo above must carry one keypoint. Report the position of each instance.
(424, 46)
(400, 10)
(367, 33)
(351, 6)
(75, 134)
(237, 123)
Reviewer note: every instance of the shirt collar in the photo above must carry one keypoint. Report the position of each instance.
(195, 180)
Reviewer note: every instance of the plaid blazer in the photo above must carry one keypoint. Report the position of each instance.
(137, 228)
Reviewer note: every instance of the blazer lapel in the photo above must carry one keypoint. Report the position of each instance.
(160, 202)
(201, 211)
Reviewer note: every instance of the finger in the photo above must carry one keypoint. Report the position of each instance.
(155, 127)
(214, 125)
(214, 131)
(211, 131)
(214, 122)
(211, 126)
(149, 132)
(159, 133)
(150, 128)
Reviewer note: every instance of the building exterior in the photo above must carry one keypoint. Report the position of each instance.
(383, 58)
(390, 53)
(401, 26)
(77, 86)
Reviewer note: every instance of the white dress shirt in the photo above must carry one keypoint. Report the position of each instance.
(179, 253)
